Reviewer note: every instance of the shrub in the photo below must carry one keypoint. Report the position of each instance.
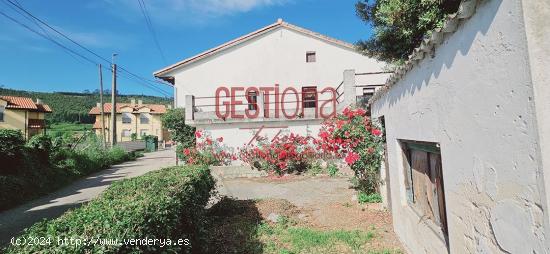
(11, 150)
(355, 138)
(165, 204)
(50, 164)
(41, 145)
(284, 154)
(208, 151)
(174, 121)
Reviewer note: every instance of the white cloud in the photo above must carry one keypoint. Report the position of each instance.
(183, 11)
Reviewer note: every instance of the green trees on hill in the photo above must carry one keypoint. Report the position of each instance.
(74, 107)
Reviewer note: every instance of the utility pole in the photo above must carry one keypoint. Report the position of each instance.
(113, 104)
(103, 137)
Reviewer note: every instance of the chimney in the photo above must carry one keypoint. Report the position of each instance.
(133, 102)
(98, 105)
(39, 101)
(140, 102)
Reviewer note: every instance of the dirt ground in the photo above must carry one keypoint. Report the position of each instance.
(321, 203)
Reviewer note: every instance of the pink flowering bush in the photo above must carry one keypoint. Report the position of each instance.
(355, 138)
(207, 151)
(284, 154)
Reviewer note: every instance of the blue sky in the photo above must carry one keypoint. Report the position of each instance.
(183, 27)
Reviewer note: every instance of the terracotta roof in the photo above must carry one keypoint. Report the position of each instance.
(15, 102)
(465, 11)
(279, 23)
(155, 108)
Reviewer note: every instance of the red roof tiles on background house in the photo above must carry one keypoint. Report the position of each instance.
(15, 102)
(155, 108)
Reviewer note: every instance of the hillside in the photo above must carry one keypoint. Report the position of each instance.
(74, 107)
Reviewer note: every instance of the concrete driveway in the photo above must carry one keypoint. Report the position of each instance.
(13, 221)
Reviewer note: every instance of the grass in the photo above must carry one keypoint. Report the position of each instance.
(236, 226)
(284, 237)
(363, 198)
(69, 127)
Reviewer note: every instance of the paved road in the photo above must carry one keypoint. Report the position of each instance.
(15, 220)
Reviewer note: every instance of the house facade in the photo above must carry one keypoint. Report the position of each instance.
(467, 122)
(132, 118)
(24, 114)
(279, 78)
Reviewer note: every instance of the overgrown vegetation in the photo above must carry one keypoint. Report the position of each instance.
(165, 204)
(42, 164)
(400, 25)
(74, 107)
(174, 121)
(207, 151)
(236, 226)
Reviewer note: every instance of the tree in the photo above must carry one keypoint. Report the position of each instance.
(174, 121)
(400, 25)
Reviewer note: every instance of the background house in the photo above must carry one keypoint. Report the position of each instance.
(467, 127)
(141, 119)
(22, 113)
(279, 54)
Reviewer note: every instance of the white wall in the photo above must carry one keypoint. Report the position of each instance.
(277, 57)
(236, 135)
(476, 99)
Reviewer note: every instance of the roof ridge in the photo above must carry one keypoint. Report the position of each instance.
(243, 38)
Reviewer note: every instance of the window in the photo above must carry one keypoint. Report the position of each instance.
(252, 98)
(126, 118)
(362, 100)
(424, 181)
(143, 132)
(309, 96)
(2, 108)
(144, 118)
(126, 133)
(310, 57)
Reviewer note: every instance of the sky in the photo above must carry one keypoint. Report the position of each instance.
(183, 28)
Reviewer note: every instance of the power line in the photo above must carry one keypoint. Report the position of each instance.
(78, 44)
(73, 41)
(150, 27)
(45, 37)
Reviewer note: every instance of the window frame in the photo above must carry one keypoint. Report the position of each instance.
(128, 116)
(126, 136)
(252, 99)
(306, 102)
(311, 57)
(432, 171)
(144, 116)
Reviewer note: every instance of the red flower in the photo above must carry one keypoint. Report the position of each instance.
(220, 139)
(376, 132)
(186, 151)
(198, 134)
(323, 134)
(351, 158)
(208, 141)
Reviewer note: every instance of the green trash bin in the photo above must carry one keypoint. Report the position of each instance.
(151, 143)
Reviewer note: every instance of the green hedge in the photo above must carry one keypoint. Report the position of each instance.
(165, 204)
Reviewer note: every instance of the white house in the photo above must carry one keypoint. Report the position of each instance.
(275, 58)
(468, 133)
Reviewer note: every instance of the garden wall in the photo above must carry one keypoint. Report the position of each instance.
(475, 98)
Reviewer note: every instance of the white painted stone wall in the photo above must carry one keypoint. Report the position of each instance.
(478, 97)
(276, 57)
